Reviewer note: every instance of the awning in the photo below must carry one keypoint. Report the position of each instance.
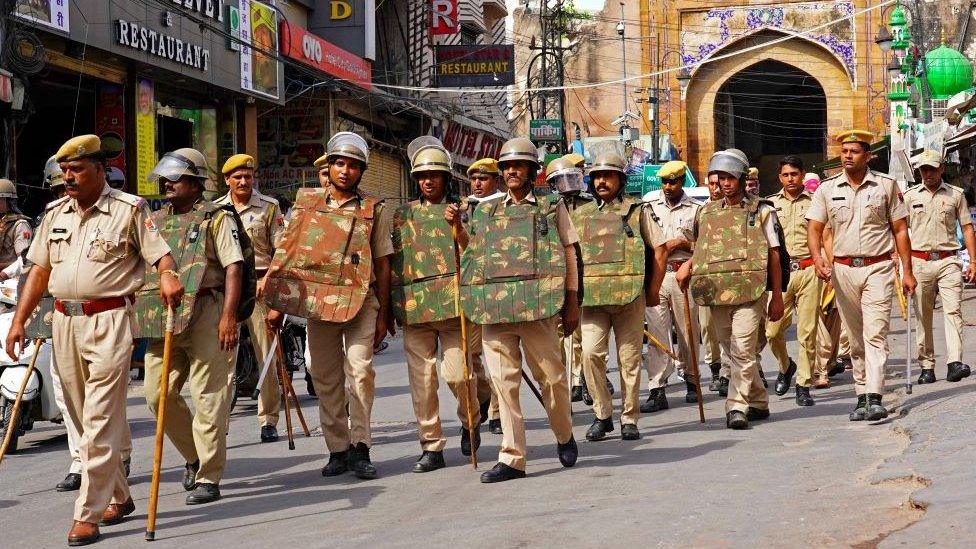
(960, 140)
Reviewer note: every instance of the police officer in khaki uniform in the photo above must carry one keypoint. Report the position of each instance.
(864, 210)
(107, 235)
(733, 276)
(263, 222)
(485, 289)
(674, 212)
(342, 351)
(15, 227)
(802, 294)
(935, 209)
(204, 351)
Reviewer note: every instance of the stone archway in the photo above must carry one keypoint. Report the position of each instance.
(813, 59)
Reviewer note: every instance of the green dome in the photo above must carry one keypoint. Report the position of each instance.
(948, 72)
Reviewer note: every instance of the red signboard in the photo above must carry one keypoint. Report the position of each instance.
(315, 52)
(444, 17)
(110, 123)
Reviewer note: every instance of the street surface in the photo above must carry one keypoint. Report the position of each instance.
(805, 478)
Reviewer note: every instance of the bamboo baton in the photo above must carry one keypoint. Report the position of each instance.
(464, 348)
(657, 343)
(20, 395)
(160, 424)
(694, 357)
(290, 389)
(908, 352)
(282, 374)
(902, 301)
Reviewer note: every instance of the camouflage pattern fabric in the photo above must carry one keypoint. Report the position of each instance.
(423, 264)
(729, 262)
(321, 268)
(39, 323)
(613, 257)
(186, 235)
(514, 268)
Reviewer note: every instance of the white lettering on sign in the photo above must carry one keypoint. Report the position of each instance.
(311, 48)
(138, 37)
(213, 9)
(443, 13)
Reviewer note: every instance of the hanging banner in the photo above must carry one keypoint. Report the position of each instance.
(145, 137)
(50, 13)
(259, 28)
(444, 17)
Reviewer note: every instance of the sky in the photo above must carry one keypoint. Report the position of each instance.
(590, 5)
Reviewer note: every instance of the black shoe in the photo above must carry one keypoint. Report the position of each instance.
(309, 386)
(269, 433)
(691, 395)
(587, 397)
(715, 367)
(483, 408)
(495, 426)
(656, 401)
(599, 429)
(736, 420)
(429, 461)
(610, 387)
(840, 365)
(762, 377)
(957, 371)
(337, 465)
(360, 463)
(875, 410)
(927, 376)
(803, 397)
(466, 440)
(860, 409)
(568, 452)
(785, 379)
(723, 386)
(628, 431)
(71, 483)
(127, 465)
(190, 475)
(203, 493)
(576, 393)
(500, 473)
(757, 414)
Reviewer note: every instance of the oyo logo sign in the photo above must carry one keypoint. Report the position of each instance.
(311, 48)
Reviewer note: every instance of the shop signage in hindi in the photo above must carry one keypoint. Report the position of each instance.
(320, 54)
(475, 65)
(549, 129)
(145, 136)
(259, 68)
(50, 13)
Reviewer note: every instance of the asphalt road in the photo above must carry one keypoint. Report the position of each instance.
(807, 477)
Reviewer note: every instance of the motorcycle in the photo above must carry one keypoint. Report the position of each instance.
(38, 403)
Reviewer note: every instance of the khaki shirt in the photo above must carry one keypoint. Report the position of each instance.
(222, 248)
(859, 218)
(98, 253)
(792, 217)
(933, 217)
(676, 222)
(564, 225)
(263, 223)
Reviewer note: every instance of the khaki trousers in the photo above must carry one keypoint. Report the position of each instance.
(269, 400)
(196, 357)
(503, 353)
(93, 355)
(73, 428)
(627, 323)
(342, 368)
(828, 332)
(485, 389)
(864, 300)
(802, 297)
(941, 278)
(420, 344)
(739, 328)
(670, 312)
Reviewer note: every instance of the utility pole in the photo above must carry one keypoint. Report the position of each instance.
(627, 133)
(546, 70)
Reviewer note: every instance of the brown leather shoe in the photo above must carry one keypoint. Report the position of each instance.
(821, 382)
(116, 512)
(82, 533)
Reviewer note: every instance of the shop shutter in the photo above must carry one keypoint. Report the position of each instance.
(385, 177)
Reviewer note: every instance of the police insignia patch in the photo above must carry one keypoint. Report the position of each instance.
(149, 224)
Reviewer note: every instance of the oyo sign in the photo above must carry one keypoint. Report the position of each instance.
(444, 17)
(310, 50)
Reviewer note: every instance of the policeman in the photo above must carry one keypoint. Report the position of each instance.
(864, 209)
(935, 209)
(802, 294)
(519, 271)
(752, 182)
(263, 222)
(337, 247)
(424, 286)
(713, 350)
(615, 232)
(109, 236)
(736, 260)
(15, 227)
(674, 212)
(204, 237)
(485, 179)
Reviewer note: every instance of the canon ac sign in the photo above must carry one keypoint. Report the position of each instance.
(311, 48)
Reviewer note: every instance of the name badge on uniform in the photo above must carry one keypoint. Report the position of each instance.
(918, 205)
(839, 198)
(59, 230)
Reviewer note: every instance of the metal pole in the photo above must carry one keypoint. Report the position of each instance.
(623, 51)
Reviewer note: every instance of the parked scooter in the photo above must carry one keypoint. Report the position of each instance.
(38, 402)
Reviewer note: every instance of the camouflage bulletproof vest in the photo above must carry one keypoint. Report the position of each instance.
(7, 253)
(613, 252)
(729, 262)
(321, 268)
(514, 268)
(423, 264)
(186, 235)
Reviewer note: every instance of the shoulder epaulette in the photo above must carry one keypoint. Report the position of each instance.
(266, 198)
(55, 203)
(130, 199)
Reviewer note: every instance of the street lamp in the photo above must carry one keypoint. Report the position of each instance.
(883, 40)
(684, 78)
(894, 68)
